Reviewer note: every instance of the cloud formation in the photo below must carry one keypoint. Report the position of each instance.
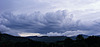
(60, 23)
(48, 5)
(67, 33)
(38, 16)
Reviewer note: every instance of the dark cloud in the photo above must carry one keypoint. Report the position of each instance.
(37, 22)
(59, 22)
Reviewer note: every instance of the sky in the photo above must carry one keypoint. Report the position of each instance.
(50, 17)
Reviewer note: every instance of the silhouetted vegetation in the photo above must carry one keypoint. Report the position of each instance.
(15, 41)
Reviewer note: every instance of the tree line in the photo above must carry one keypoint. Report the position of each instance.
(91, 41)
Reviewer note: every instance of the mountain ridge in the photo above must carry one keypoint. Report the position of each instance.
(53, 38)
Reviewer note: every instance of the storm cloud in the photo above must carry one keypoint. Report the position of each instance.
(60, 23)
(49, 17)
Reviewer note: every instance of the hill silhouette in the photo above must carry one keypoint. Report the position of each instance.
(7, 40)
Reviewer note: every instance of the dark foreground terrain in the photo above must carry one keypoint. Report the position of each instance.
(79, 41)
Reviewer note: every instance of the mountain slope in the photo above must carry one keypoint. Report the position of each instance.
(10, 38)
(53, 38)
(48, 38)
(74, 37)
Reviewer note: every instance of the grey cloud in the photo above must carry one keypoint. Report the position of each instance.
(59, 21)
(5, 5)
(3, 28)
(67, 33)
(42, 23)
(42, 5)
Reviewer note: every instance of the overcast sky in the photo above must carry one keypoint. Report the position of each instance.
(50, 17)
